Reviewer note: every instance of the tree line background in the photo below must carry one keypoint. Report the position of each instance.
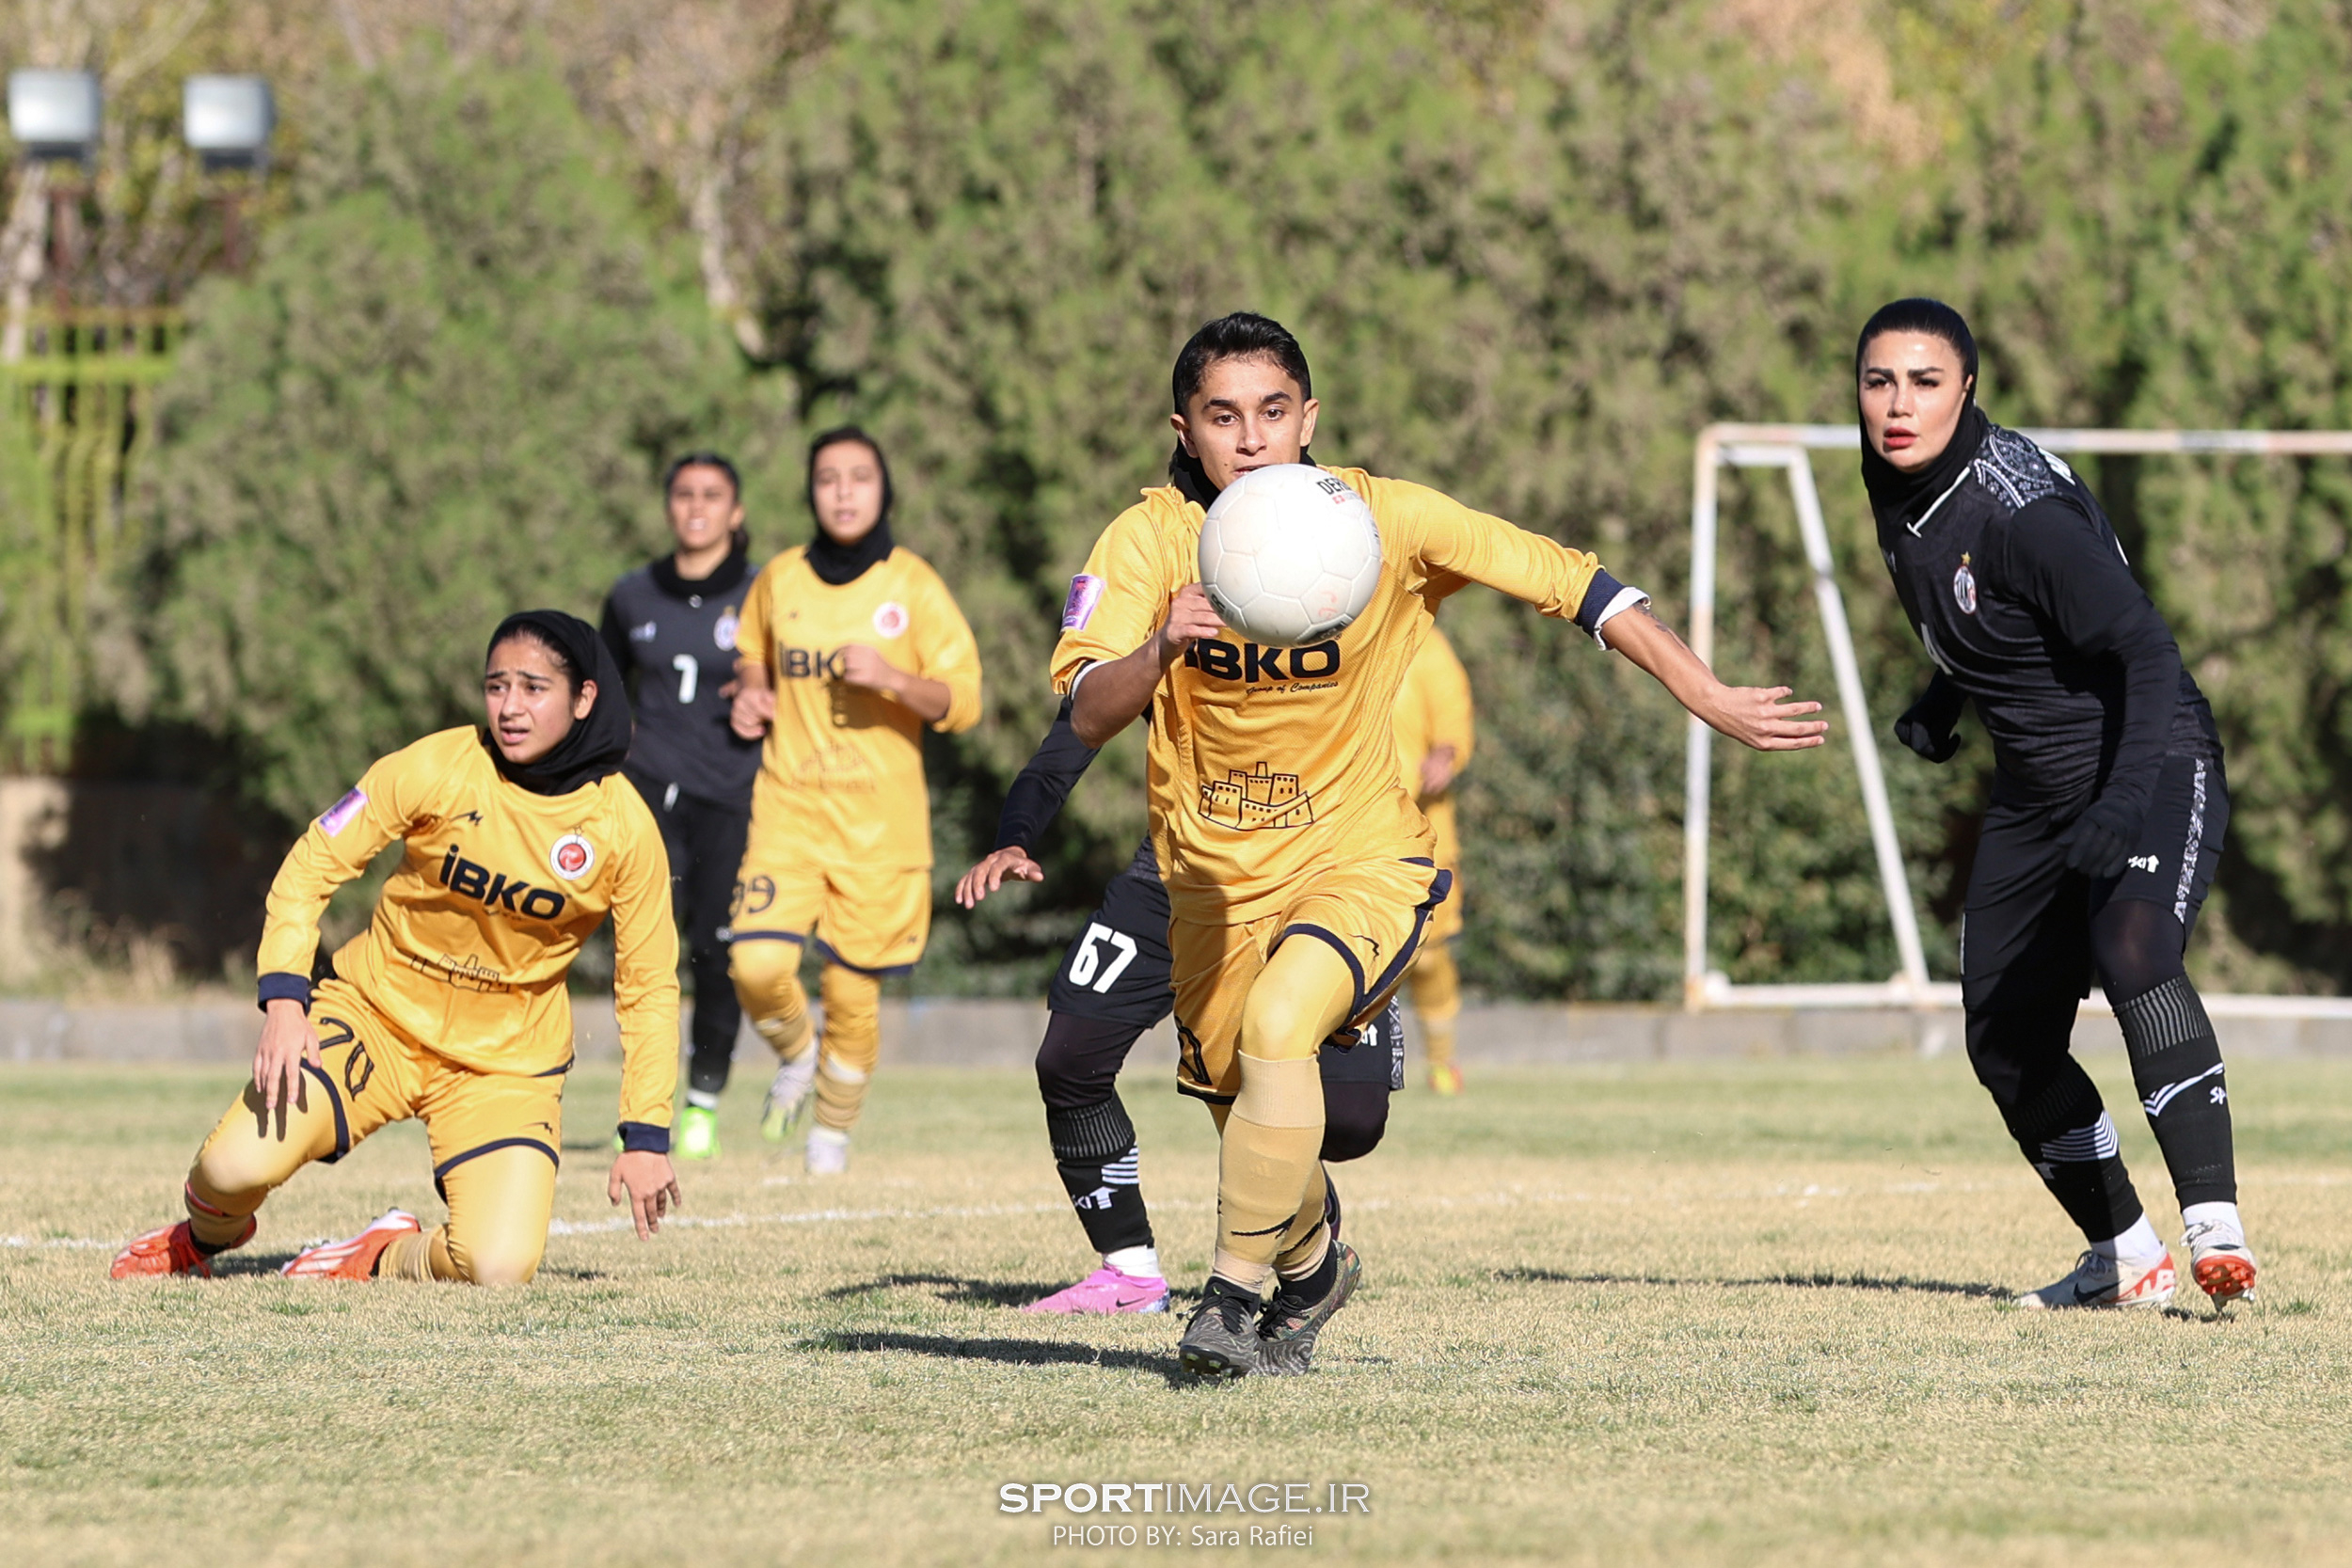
(513, 254)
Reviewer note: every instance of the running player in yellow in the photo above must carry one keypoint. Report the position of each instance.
(1434, 737)
(849, 647)
(1276, 807)
(450, 1007)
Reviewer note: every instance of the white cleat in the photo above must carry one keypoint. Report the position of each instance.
(2220, 1263)
(828, 1151)
(788, 1096)
(2099, 1280)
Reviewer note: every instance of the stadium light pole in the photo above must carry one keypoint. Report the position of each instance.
(227, 121)
(53, 116)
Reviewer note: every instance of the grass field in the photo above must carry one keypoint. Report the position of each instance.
(1722, 1314)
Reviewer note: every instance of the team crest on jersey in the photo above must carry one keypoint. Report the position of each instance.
(572, 857)
(723, 633)
(1965, 588)
(890, 619)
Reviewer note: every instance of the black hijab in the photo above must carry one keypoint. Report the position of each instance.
(1898, 498)
(594, 746)
(831, 560)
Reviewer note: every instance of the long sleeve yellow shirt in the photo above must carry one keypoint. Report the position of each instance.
(496, 889)
(1265, 765)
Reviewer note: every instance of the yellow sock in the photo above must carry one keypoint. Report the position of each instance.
(767, 983)
(1437, 987)
(852, 1046)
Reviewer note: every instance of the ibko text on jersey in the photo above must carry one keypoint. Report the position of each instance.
(1249, 663)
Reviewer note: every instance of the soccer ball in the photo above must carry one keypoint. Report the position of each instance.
(1289, 556)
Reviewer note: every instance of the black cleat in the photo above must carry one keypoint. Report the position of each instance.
(1221, 1341)
(1286, 1333)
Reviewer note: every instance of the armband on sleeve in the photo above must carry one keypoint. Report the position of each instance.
(1604, 601)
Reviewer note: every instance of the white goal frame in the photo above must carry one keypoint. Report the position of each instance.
(1790, 448)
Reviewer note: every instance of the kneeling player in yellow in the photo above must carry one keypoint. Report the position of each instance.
(1434, 736)
(450, 1007)
(1299, 871)
(849, 646)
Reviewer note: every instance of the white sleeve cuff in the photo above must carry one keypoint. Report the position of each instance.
(1083, 670)
(1627, 598)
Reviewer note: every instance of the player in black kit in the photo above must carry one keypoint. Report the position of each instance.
(1113, 985)
(2108, 806)
(671, 626)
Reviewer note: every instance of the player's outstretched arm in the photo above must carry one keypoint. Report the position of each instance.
(1758, 716)
(1113, 695)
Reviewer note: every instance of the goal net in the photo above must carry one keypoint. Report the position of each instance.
(1790, 448)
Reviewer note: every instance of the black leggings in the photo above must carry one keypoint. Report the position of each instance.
(705, 844)
(1078, 1063)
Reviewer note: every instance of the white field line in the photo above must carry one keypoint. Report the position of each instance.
(1468, 1200)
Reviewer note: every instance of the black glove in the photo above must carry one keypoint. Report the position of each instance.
(1930, 727)
(2100, 843)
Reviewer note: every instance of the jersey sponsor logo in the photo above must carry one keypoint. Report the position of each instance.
(339, 815)
(890, 619)
(1250, 663)
(1085, 591)
(572, 857)
(496, 890)
(722, 631)
(1257, 798)
(1965, 587)
(641, 634)
(807, 664)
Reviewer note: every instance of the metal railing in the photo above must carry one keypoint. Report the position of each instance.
(75, 409)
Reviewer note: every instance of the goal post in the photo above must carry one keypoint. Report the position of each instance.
(1790, 448)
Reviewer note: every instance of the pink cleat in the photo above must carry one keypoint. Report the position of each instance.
(1107, 1290)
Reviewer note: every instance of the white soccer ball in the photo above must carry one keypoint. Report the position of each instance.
(1289, 556)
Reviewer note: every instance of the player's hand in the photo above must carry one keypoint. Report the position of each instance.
(856, 664)
(1765, 718)
(288, 1043)
(1930, 725)
(1189, 620)
(987, 877)
(1436, 771)
(651, 1185)
(752, 710)
(2099, 845)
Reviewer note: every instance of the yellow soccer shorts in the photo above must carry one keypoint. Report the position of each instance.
(370, 1074)
(872, 919)
(1374, 913)
(377, 1074)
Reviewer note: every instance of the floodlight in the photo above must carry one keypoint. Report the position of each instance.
(228, 119)
(53, 113)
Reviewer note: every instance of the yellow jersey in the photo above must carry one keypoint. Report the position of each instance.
(1433, 710)
(842, 774)
(474, 933)
(1267, 765)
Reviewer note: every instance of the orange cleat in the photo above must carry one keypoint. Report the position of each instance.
(171, 1250)
(354, 1259)
(1445, 1078)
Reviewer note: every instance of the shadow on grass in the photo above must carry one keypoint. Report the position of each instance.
(951, 1288)
(1803, 1281)
(1007, 1353)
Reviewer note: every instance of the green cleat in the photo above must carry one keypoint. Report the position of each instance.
(1221, 1341)
(1291, 1324)
(698, 1133)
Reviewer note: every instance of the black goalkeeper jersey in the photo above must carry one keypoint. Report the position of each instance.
(2014, 580)
(677, 638)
